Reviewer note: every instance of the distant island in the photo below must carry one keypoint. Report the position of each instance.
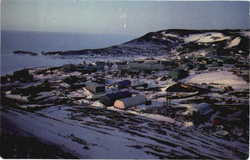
(25, 52)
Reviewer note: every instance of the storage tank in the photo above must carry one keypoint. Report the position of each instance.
(130, 102)
(109, 99)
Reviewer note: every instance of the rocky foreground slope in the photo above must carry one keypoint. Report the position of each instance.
(196, 88)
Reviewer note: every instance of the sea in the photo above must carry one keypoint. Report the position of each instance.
(49, 41)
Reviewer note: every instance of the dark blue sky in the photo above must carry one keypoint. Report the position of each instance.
(121, 17)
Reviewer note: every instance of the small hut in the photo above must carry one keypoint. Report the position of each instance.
(140, 85)
(23, 75)
(100, 65)
(181, 87)
(130, 102)
(89, 69)
(69, 68)
(124, 84)
(146, 66)
(95, 87)
(178, 74)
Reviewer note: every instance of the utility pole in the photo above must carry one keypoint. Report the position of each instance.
(167, 100)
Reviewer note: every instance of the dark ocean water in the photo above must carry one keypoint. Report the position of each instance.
(47, 41)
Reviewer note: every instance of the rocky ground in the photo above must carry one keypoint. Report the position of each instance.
(196, 88)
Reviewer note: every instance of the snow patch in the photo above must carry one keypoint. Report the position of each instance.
(234, 42)
(206, 37)
(169, 35)
(224, 78)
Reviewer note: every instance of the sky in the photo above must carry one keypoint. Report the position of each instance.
(121, 17)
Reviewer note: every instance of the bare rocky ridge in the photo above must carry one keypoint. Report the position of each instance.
(162, 42)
